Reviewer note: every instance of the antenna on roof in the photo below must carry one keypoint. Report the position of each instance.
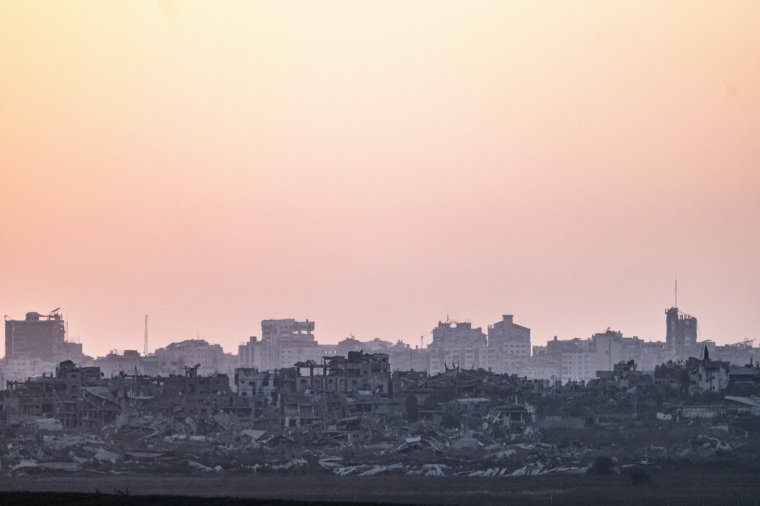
(676, 289)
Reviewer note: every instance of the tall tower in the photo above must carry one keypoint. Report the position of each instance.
(145, 340)
(681, 331)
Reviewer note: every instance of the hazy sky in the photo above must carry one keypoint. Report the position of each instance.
(376, 166)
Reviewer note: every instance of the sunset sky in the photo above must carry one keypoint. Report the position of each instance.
(377, 166)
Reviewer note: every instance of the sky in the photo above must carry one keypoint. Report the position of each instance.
(378, 166)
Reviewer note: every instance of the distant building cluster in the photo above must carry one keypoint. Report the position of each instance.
(506, 348)
(77, 419)
(466, 400)
(37, 344)
(83, 397)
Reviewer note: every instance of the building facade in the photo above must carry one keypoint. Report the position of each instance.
(456, 344)
(508, 346)
(37, 336)
(681, 334)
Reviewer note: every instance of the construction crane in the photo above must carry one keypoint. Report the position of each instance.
(746, 342)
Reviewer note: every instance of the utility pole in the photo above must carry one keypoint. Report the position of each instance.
(145, 341)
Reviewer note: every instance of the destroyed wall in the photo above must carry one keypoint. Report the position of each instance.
(357, 372)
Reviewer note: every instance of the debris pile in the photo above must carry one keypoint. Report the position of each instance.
(355, 419)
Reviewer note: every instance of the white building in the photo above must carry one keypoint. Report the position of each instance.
(21, 369)
(283, 344)
(174, 358)
(456, 344)
(508, 347)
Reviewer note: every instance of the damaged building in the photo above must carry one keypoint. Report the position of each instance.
(358, 371)
(77, 397)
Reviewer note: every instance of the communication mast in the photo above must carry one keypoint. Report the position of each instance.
(145, 341)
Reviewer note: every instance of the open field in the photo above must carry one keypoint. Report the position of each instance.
(695, 487)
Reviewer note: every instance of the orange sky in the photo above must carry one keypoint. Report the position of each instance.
(375, 166)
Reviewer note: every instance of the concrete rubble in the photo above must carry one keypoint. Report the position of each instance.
(458, 423)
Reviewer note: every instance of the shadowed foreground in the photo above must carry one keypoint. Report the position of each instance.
(688, 487)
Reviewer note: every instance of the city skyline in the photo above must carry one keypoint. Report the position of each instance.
(475, 252)
(230, 346)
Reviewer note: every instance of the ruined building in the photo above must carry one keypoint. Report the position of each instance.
(75, 396)
(358, 371)
(287, 331)
(338, 388)
(188, 394)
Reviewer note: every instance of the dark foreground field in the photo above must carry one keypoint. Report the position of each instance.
(667, 488)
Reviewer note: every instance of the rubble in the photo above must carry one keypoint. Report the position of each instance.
(460, 423)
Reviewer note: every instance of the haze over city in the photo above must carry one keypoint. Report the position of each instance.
(377, 166)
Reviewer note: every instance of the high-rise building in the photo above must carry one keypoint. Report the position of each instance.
(36, 337)
(508, 346)
(456, 344)
(681, 336)
(283, 343)
(287, 332)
